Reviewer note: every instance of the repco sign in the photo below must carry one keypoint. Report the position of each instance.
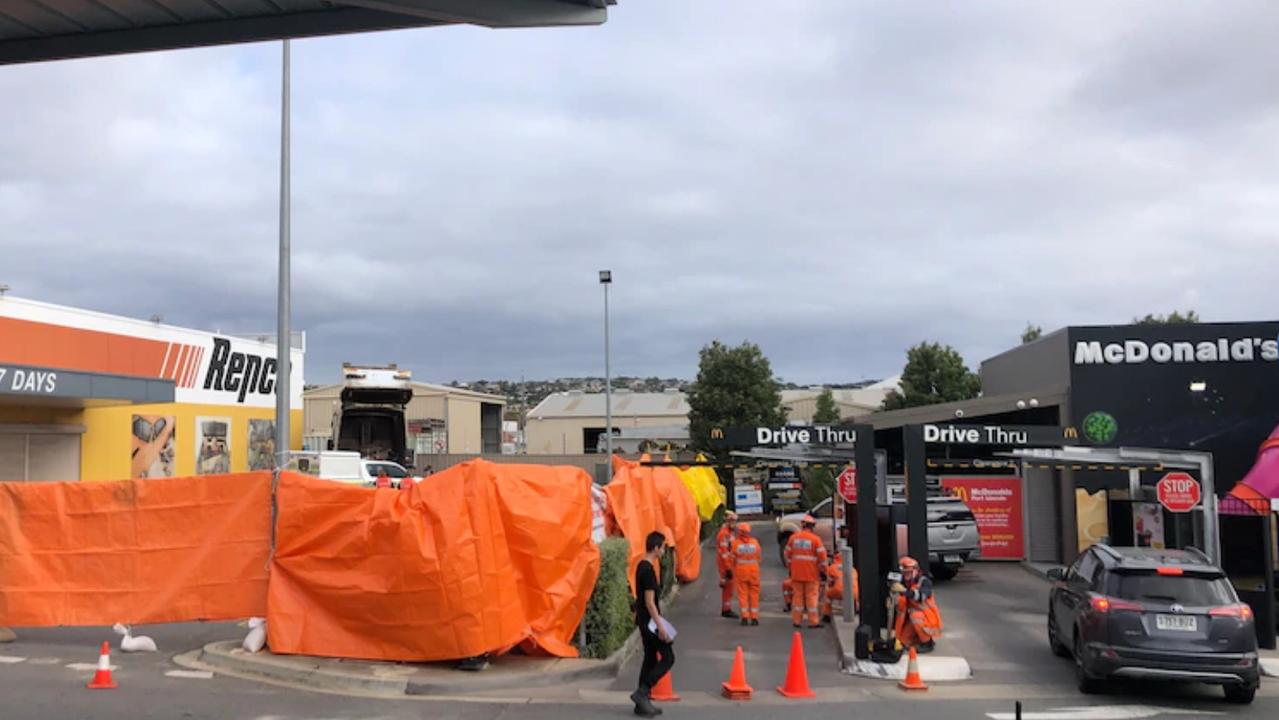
(241, 373)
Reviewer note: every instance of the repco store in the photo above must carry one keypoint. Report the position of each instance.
(90, 396)
(1204, 387)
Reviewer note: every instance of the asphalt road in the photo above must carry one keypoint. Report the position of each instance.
(994, 616)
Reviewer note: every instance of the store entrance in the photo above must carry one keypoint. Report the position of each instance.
(39, 452)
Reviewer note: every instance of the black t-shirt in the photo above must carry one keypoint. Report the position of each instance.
(646, 579)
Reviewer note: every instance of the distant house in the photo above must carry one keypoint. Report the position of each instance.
(571, 423)
(801, 405)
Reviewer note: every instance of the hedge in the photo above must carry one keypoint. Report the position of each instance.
(610, 615)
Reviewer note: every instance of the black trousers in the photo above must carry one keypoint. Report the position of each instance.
(659, 657)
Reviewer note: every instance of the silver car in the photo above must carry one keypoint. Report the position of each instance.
(953, 538)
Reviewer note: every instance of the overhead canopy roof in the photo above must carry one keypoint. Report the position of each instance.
(36, 30)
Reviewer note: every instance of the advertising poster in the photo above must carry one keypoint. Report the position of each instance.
(748, 492)
(152, 442)
(1148, 525)
(785, 489)
(1091, 518)
(996, 504)
(261, 444)
(212, 445)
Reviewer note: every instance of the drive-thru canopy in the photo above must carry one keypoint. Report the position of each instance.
(35, 30)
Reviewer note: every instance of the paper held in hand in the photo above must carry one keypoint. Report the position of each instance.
(666, 625)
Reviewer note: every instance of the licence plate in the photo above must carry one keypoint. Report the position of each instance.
(1184, 623)
(950, 558)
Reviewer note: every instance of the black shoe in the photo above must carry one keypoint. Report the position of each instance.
(474, 664)
(785, 607)
(826, 619)
(754, 622)
(745, 621)
(728, 614)
(926, 648)
(643, 705)
(797, 626)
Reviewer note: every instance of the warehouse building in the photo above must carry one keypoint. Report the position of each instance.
(853, 403)
(571, 423)
(89, 396)
(439, 420)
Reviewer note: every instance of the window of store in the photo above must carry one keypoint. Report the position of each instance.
(39, 453)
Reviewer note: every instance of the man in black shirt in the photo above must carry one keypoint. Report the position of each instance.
(658, 654)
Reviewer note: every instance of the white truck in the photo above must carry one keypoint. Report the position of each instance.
(347, 467)
(369, 419)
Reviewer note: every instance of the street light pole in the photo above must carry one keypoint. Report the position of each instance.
(606, 279)
(283, 346)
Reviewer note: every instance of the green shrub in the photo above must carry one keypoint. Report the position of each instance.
(609, 614)
(668, 572)
(710, 527)
(819, 484)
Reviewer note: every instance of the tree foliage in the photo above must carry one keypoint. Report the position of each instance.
(734, 387)
(1031, 333)
(934, 373)
(819, 484)
(827, 412)
(1173, 318)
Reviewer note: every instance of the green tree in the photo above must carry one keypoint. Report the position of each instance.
(934, 373)
(819, 484)
(1174, 318)
(827, 413)
(734, 387)
(1031, 333)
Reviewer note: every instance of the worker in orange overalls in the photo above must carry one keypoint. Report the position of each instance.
(746, 557)
(788, 594)
(724, 563)
(835, 588)
(806, 557)
(918, 618)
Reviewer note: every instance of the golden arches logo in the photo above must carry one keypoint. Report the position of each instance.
(1070, 433)
(717, 433)
(961, 491)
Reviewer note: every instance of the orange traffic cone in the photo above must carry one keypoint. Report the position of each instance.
(736, 687)
(913, 681)
(102, 678)
(796, 685)
(664, 691)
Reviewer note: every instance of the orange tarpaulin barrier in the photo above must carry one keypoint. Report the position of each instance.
(646, 498)
(475, 559)
(134, 551)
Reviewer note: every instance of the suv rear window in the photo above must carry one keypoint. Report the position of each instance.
(1189, 590)
(950, 512)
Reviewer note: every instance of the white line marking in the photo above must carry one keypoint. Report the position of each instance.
(44, 661)
(11, 660)
(1099, 712)
(190, 674)
(85, 667)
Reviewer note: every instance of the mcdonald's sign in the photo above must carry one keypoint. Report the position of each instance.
(1070, 433)
(717, 433)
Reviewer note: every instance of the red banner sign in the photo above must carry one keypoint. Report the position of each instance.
(996, 504)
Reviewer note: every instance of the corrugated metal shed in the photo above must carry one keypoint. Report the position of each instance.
(625, 404)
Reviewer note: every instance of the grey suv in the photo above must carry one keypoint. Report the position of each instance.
(1152, 614)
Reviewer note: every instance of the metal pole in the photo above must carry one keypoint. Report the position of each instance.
(916, 492)
(608, 394)
(866, 549)
(1212, 536)
(847, 568)
(283, 351)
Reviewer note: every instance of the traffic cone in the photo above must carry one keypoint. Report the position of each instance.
(913, 681)
(736, 687)
(664, 691)
(102, 678)
(796, 685)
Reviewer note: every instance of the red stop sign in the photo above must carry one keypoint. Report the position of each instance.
(847, 484)
(1178, 492)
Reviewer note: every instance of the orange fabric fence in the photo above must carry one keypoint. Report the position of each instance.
(478, 558)
(134, 551)
(644, 499)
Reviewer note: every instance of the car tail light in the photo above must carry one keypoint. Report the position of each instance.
(1241, 611)
(1170, 571)
(1103, 604)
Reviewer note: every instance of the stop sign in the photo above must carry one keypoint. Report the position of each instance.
(1178, 492)
(847, 484)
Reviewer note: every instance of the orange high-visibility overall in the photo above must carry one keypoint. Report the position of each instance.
(724, 564)
(918, 617)
(805, 554)
(746, 555)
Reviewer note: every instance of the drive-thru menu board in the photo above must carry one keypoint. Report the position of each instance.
(996, 504)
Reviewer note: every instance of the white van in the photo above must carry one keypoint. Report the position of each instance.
(346, 467)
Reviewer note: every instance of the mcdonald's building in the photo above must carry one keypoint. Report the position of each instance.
(1205, 387)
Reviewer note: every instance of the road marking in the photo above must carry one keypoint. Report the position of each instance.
(10, 659)
(85, 667)
(44, 661)
(1099, 712)
(190, 674)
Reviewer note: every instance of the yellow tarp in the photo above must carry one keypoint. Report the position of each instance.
(704, 484)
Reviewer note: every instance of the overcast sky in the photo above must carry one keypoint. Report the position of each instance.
(834, 180)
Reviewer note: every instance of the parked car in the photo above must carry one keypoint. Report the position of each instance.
(1152, 614)
(347, 467)
(953, 538)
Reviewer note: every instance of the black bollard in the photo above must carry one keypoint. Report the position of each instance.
(1018, 710)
